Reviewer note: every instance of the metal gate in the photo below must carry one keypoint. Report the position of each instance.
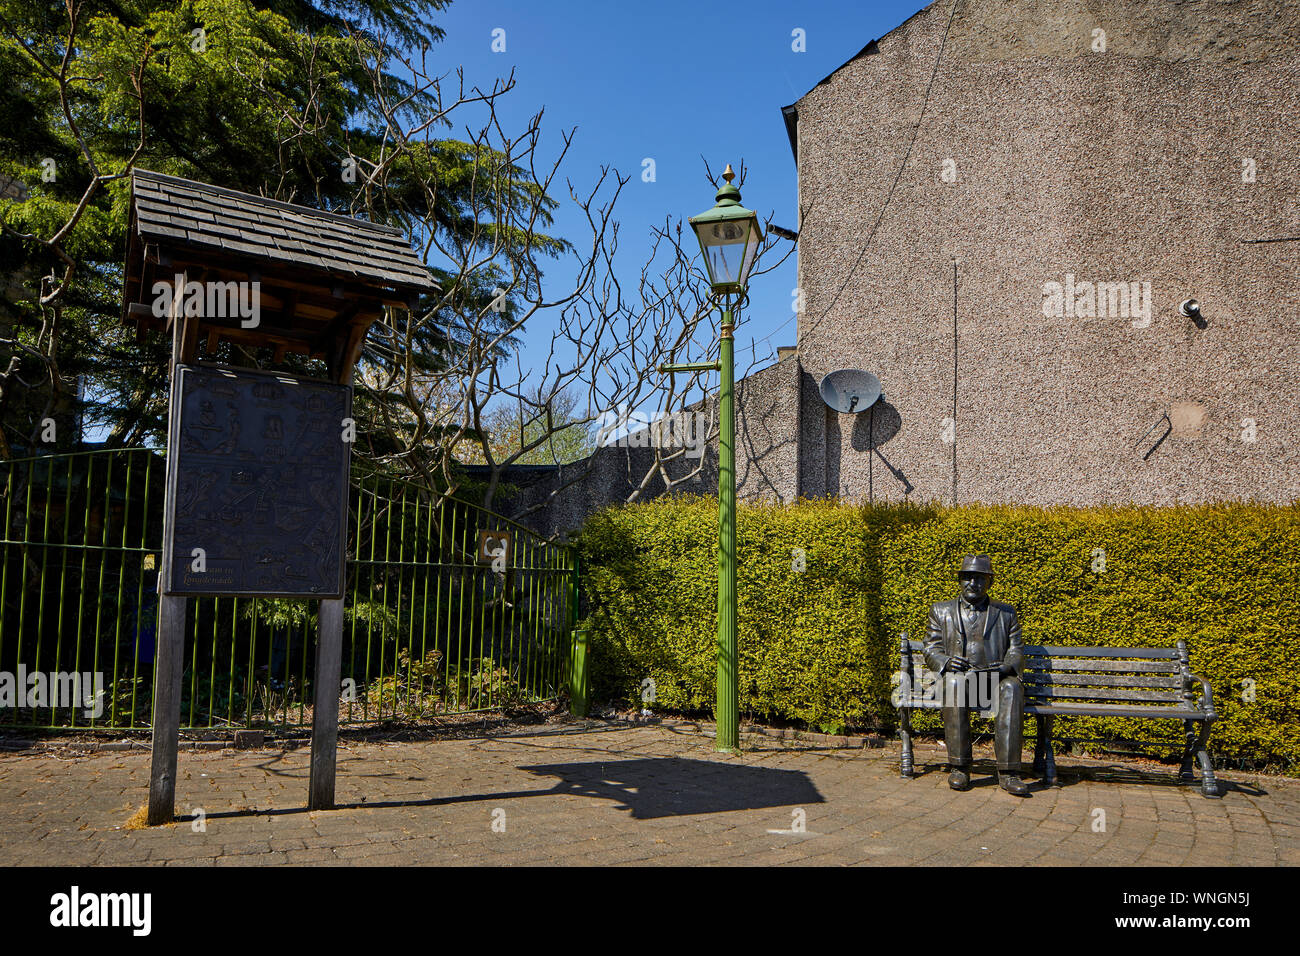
(430, 627)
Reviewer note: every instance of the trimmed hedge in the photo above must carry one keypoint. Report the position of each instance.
(819, 645)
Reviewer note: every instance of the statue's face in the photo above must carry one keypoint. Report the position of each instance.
(974, 585)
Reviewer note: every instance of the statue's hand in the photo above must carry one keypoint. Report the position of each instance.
(957, 663)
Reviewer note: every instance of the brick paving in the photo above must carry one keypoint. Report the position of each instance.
(596, 793)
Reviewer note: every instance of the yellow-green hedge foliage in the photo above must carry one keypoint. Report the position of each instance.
(820, 645)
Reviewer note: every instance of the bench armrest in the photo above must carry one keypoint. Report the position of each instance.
(1207, 698)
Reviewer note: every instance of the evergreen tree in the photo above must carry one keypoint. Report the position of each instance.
(274, 97)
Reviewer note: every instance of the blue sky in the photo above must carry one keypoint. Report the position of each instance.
(670, 81)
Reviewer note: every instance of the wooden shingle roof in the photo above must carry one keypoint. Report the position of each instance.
(173, 212)
(318, 280)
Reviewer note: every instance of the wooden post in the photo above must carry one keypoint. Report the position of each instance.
(168, 660)
(325, 712)
(329, 629)
(168, 668)
(169, 644)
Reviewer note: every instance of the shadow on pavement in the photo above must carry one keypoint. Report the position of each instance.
(1114, 773)
(649, 787)
(673, 786)
(983, 774)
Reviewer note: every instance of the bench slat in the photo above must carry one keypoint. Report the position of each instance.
(929, 703)
(1105, 680)
(1110, 710)
(1036, 692)
(1072, 654)
(1083, 709)
(1123, 667)
(1154, 653)
(1170, 680)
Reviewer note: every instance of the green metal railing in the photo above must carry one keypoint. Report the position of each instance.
(429, 629)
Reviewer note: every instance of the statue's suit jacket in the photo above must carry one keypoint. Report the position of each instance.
(945, 637)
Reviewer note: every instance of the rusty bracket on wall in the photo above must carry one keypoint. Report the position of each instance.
(1159, 441)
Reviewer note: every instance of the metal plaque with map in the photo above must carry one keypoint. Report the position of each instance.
(259, 484)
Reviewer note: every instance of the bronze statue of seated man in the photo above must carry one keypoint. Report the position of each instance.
(973, 640)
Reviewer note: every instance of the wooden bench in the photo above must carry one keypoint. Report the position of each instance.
(1155, 682)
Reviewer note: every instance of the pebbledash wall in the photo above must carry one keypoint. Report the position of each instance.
(1060, 145)
(1156, 152)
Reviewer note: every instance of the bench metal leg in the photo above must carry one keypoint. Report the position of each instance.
(905, 732)
(1196, 751)
(1039, 766)
(1186, 772)
(1044, 755)
(1209, 786)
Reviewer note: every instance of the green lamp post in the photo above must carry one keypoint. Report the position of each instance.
(729, 237)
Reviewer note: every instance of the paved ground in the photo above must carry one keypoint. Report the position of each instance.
(594, 793)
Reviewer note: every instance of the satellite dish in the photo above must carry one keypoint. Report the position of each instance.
(850, 390)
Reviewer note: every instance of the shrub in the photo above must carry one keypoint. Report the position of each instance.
(820, 645)
(415, 691)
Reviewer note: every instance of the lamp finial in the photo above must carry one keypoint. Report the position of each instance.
(728, 175)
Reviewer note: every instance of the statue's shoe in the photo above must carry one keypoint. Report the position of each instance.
(1012, 784)
(959, 780)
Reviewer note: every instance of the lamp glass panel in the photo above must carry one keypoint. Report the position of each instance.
(725, 245)
(751, 248)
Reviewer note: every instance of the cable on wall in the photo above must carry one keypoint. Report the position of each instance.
(954, 383)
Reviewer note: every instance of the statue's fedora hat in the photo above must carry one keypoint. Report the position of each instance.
(979, 563)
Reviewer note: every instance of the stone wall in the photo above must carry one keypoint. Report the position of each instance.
(557, 499)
